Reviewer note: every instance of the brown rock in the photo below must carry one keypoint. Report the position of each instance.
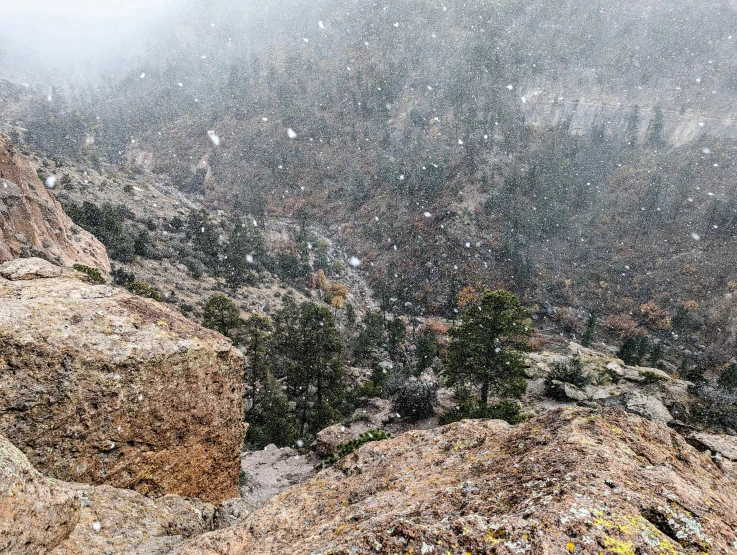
(36, 514)
(104, 387)
(119, 521)
(570, 481)
(32, 222)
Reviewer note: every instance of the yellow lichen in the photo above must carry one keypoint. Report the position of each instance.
(571, 547)
(618, 546)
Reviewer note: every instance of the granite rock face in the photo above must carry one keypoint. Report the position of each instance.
(573, 480)
(124, 522)
(32, 222)
(36, 514)
(100, 386)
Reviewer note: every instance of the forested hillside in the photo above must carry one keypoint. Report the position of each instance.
(581, 156)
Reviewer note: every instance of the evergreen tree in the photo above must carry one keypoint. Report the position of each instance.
(588, 336)
(256, 330)
(426, 349)
(221, 314)
(633, 127)
(270, 419)
(308, 344)
(727, 379)
(201, 231)
(656, 128)
(396, 332)
(486, 348)
(245, 251)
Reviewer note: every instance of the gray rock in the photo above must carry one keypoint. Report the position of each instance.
(29, 268)
(637, 403)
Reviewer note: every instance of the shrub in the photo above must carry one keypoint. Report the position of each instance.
(195, 267)
(508, 411)
(92, 273)
(654, 317)
(727, 380)
(345, 449)
(145, 290)
(633, 350)
(122, 277)
(653, 377)
(622, 326)
(714, 407)
(415, 400)
(571, 372)
(691, 373)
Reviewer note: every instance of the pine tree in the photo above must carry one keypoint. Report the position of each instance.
(486, 348)
(245, 251)
(270, 419)
(221, 314)
(633, 127)
(588, 336)
(308, 348)
(656, 128)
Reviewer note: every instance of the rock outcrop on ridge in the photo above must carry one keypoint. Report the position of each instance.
(40, 515)
(32, 222)
(104, 387)
(573, 480)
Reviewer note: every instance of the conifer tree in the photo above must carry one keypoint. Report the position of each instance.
(486, 348)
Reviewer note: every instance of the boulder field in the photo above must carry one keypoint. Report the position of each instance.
(101, 386)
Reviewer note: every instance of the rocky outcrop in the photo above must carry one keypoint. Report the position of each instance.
(100, 386)
(570, 481)
(32, 222)
(40, 515)
(119, 521)
(36, 514)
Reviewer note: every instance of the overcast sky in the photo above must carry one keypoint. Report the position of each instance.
(55, 32)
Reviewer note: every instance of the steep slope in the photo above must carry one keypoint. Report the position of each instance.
(101, 386)
(32, 222)
(570, 481)
(537, 137)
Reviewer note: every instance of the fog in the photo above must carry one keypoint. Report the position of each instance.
(73, 40)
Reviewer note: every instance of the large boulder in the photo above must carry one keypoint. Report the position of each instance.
(36, 514)
(32, 222)
(100, 386)
(119, 521)
(40, 515)
(569, 481)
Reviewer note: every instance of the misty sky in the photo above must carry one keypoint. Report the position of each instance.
(51, 32)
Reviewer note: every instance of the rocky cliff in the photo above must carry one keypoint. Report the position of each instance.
(101, 386)
(32, 222)
(570, 481)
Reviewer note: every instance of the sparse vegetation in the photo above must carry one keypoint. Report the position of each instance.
(94, 275)
(571, 372)
(345, 449)
(143, 289)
